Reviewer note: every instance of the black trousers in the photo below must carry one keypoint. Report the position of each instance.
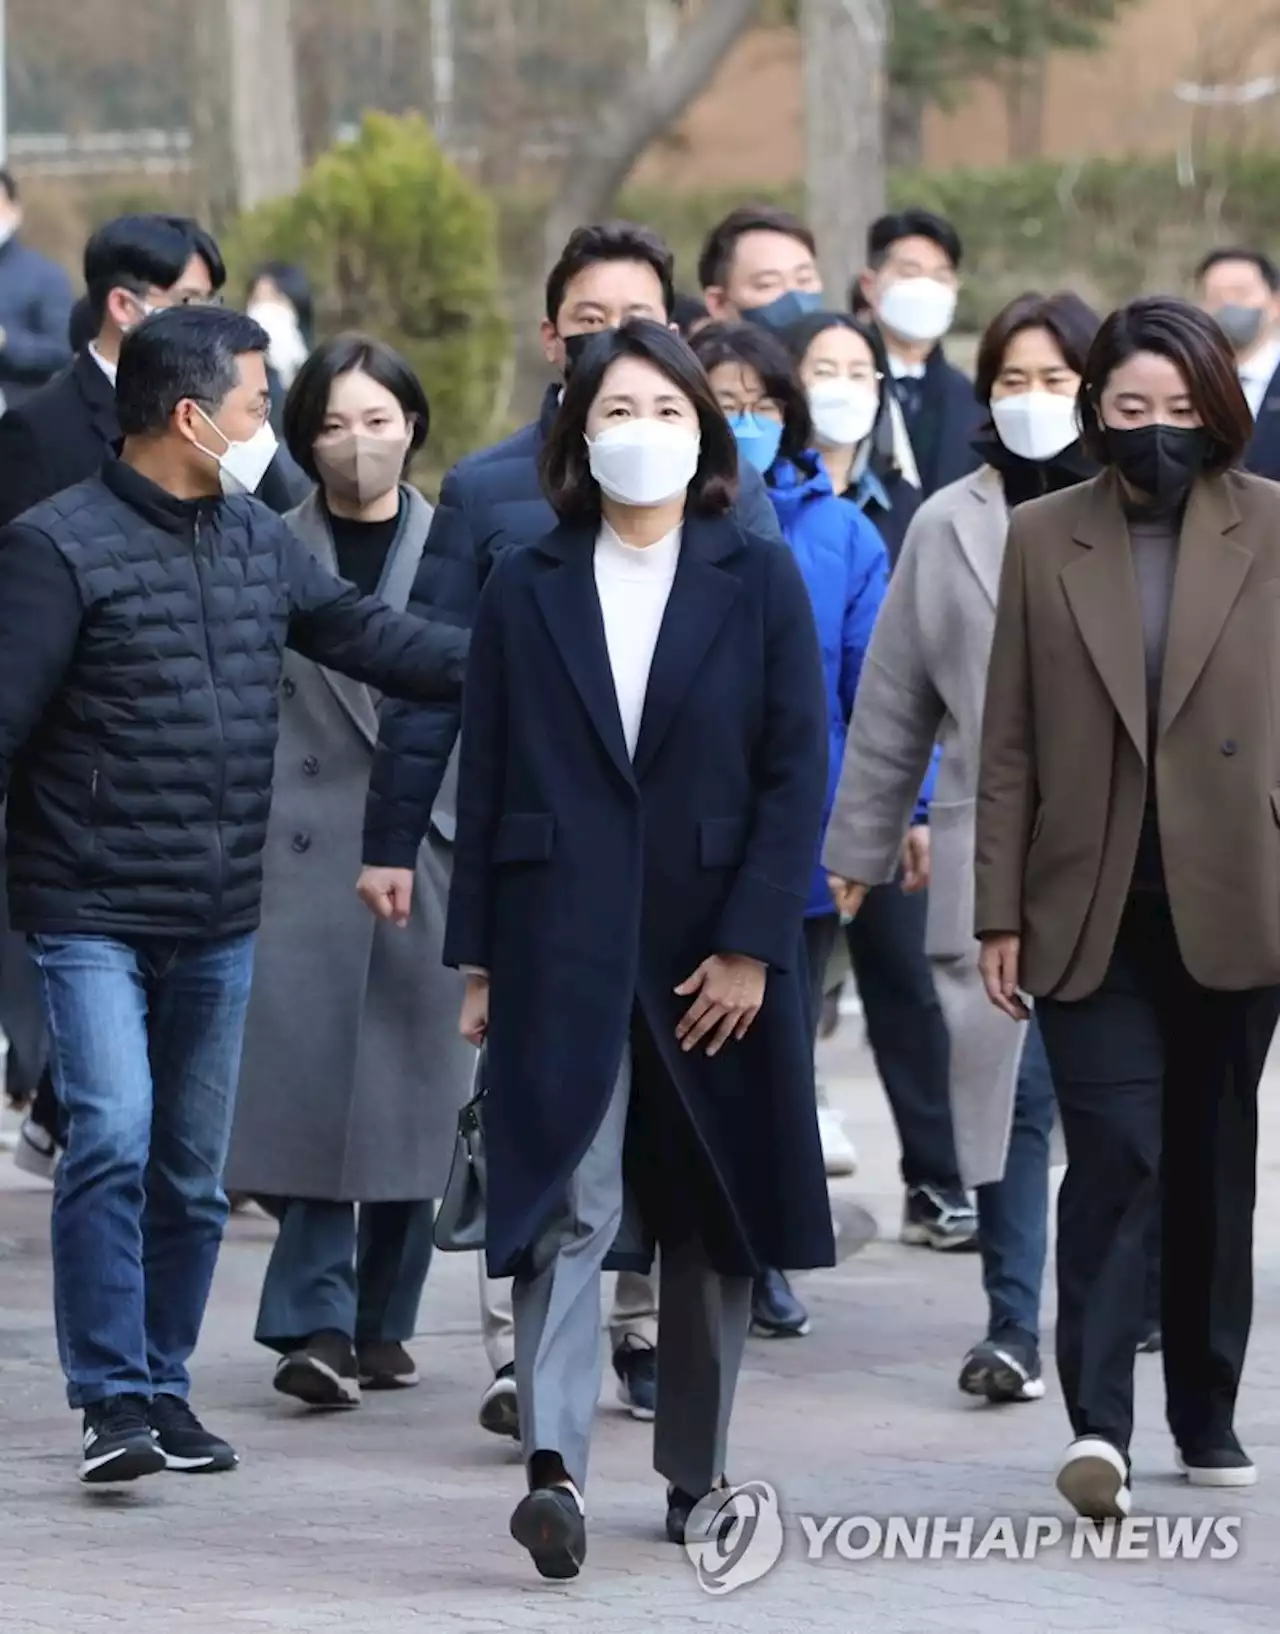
(905, 1026)
(1157, 1081)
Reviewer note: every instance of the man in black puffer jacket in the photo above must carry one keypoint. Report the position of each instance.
(144, 615)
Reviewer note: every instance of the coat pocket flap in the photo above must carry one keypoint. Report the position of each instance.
(722, 841)
(525, 836)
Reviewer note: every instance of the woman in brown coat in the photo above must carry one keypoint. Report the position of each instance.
(1128, 872)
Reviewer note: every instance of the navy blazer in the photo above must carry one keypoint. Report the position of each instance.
(591, 886)
(1263, 456)
(950, 418)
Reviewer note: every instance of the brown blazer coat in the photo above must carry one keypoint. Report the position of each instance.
(1063, 766)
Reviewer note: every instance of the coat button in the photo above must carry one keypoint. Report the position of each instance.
(289, 687)
(1229, 747)
(311, 765)
(301, 843)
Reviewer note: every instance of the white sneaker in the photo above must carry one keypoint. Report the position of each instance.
(1094, 1479)
(838, 1153)
(36, 1152)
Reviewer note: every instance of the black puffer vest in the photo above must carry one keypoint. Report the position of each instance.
(139, 804)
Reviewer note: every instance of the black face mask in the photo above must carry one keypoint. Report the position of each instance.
(1159, 461)
(575, 347)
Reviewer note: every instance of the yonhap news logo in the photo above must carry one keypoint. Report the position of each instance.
(735, 1536)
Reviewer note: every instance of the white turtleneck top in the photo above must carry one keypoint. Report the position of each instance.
(634, 585)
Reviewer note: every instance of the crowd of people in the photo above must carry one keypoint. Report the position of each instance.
(332, 815)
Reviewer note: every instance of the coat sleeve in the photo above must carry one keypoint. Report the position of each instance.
(481, 765)
(754, 512)
(24, 475)
(763, 916)
(39, 345)
(896, 717)
(332, 624)
(40, 614)
(1006, 767)
(415, 741)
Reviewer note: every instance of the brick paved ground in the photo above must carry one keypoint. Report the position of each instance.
(393, 1519)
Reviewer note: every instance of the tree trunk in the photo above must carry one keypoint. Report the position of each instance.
(265, 129)
(212, 155)
(903, 128)
(607, 151)
(845, 48)
(1024, 95)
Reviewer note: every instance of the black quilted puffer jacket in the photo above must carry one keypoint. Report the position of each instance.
(141, 640)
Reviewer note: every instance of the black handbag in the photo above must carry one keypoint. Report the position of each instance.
(460, 1219)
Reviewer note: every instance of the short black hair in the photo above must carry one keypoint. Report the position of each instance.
(295, 286)
(565, 468)
(1194, 343)
(716, 261)
(891, 229)
(181, 352)
(1070, 320)
(146, 251)
(308, 400)
(9, 185)
(688, 311)
(756, 348)
(611, 241)
(1241, 252)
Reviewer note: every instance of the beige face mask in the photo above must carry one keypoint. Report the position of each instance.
(359, 467)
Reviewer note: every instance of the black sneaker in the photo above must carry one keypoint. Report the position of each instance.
(1004, 1367)
(499, 1408)
(184, 1442)
(1152, 1342)
(118, 1443)
(1094, 1479)
(1225, 1463)
(322, 1372)
(386, 1365)
(636, 1364)
(940, 1217)
(550, 1523)
(776, 1313)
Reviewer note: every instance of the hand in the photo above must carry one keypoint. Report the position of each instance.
(473, 1023)
(387, 893)
(915, 859)
(727, 991)
(847, 894)
(998, 963)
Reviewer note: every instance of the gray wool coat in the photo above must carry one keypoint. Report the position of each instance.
(353, 1068)
(925, 680)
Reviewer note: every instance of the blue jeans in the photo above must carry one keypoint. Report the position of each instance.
(145, 1040)
(1013, 1213)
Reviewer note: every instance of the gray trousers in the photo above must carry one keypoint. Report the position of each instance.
(702, 1328)
(633, 1315)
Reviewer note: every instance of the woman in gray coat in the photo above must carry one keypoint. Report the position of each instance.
(353, 1069)
(924, 680)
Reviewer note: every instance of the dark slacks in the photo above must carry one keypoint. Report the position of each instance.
(905, 1025)
(1157, 1081)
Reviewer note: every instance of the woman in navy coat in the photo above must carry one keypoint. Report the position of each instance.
(641, 788)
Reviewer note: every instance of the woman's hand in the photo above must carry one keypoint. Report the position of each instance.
(847, 894)
(727, 991)
(915, 859)
(387, 893)
(998, 963)
(473, 1023)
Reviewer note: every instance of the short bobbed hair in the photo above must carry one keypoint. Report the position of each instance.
(308, 400)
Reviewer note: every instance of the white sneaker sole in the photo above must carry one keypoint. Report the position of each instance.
(1094, 1481)
(1245, 1476)
(500, 1409)
(309, 1380)
(644, 1414)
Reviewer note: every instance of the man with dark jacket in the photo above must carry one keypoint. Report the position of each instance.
(490, 502)
(1240, 287)
(144, 615)
(132, 266)
(911, 283)
(35, 306)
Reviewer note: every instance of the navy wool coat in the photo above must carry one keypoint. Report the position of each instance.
(591, 886)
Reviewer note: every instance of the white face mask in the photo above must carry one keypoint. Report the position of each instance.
(242, 466)
(918, 309)
(843, 411)
(644, 462)
(1036, 425)
(288, 350)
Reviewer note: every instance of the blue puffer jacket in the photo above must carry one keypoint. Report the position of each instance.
(846, 569)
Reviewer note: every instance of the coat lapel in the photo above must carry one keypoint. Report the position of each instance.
(1103, 596)
(355, 699)
(701, 597)
(570, 609)
(981, 522)
(1211, 571)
